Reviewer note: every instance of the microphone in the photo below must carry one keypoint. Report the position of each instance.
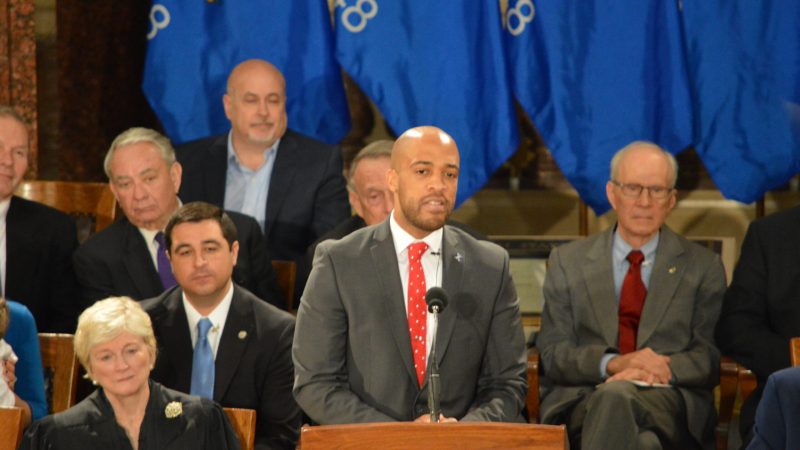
(436, 298)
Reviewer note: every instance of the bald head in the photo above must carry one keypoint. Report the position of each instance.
(424, 179)
(254, 68)
(255, 104)
(416, 137)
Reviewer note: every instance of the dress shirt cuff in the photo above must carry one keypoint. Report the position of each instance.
(604, 364)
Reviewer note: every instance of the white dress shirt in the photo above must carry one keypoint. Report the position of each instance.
(431, 264)
(217, 318)
(3, 213)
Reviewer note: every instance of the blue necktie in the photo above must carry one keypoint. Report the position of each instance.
(203, 363)
(164, 269)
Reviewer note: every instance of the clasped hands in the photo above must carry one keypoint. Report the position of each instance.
(642, 365)
(426, 418)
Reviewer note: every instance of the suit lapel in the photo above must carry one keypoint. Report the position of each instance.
(20, 251)
(216, 167)
(454, 261)
(232, 345)
(175, 337)
(598, 276)
(667, 273)
(283, 172)
(139, 264)
(384, 263)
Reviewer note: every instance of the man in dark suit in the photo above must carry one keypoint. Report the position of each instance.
(761, 310)
(363, 335)
(126, 258)
(290, 183)
(626, 338)
(36, 241)
(247, 343)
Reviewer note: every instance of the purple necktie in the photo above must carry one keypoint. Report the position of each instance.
(164, 269)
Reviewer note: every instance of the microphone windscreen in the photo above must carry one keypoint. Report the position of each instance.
(436, 296)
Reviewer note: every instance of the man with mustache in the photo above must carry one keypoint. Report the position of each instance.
(363, 333)
(627, 328)
(290, 183)
(217, 340)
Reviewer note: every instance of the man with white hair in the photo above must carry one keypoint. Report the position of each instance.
(626, 340)
(129, 257)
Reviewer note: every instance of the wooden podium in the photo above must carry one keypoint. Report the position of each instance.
(404, 435)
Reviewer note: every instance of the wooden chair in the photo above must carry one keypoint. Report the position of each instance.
(244, 423)
(436, 436)
(286, 272)
(794, 346)
(92, 204)
(10, 427)
(61, 370)
(738, 379)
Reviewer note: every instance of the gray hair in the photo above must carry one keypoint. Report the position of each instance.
(378, 149)
(136, 135)
(620, 155)
(11, 113)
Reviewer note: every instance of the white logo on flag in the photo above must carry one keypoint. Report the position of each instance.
(159, 19)
(363, 15)
(523, 13)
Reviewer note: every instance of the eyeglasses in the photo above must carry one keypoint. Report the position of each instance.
(635, 190)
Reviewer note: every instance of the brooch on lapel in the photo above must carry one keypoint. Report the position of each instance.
(458, 257)
(173, 410)
(672, 270)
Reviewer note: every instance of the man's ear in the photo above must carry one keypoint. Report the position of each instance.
(394, 182)
(235, 251)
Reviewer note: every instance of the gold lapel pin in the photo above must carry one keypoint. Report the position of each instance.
(242, 334)
(672, 270)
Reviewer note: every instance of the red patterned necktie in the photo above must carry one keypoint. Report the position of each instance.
(631, 302)
(417, 311)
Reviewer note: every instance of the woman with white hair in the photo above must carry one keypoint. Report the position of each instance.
(115, 344)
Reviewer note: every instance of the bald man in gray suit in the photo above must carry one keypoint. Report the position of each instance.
(622, 380)
(353, 352)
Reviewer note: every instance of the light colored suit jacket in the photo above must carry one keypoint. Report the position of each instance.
(579, 322)
(352, 351)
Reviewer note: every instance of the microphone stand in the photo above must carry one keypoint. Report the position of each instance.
(433, 373)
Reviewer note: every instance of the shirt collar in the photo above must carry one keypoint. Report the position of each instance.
(4, 208)
(234, 159)
(217, 316)
(402, 239)
(621, 248)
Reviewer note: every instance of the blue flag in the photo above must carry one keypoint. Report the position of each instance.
(193, 46)
(435, 63)
(744, 60)
(595, 75)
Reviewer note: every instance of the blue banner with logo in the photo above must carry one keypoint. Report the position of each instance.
(435, 63)
(744, 60)
(192, 47)
(595, 75)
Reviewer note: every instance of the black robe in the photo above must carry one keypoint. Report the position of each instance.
(91, 424)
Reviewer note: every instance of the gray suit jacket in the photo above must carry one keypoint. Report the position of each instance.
(579, 322)
(352, 351)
